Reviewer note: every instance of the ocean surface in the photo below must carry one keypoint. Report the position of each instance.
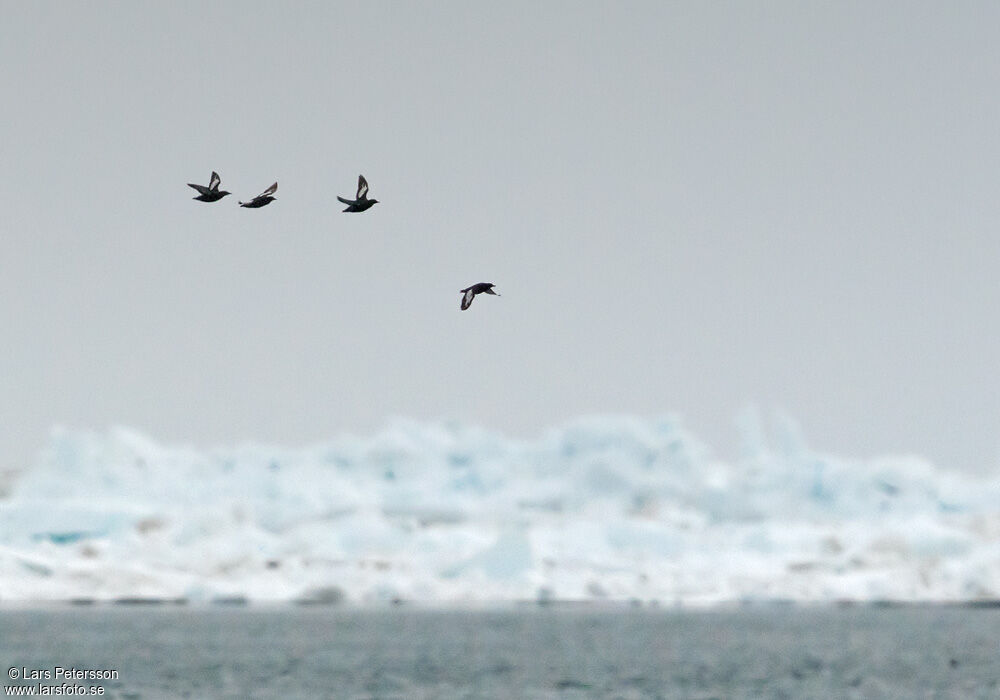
(525, 652)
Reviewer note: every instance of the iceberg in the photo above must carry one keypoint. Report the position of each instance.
(617, 508)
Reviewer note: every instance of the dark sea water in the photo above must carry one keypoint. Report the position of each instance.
(556, 652)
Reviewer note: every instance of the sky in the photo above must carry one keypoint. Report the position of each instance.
(687, 208)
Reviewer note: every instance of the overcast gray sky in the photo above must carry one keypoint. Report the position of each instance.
(687, 207)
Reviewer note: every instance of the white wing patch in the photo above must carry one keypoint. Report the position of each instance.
(467, 299)
(362, 187)
(269, 191)
(215, 181)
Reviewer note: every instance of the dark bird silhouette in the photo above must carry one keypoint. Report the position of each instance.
(212, 192)
(263, 199)
(360, 201)
(469, 293)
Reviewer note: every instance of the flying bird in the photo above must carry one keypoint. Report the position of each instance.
(263, 199)
(212, 192)
(361, 201)
(469, 293)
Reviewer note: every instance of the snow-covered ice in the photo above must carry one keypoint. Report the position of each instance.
(606, 508)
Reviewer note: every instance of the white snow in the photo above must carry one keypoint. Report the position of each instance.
(607, 508)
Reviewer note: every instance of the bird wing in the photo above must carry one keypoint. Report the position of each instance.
(269, 191)
(467, 299)
(345, 201)
(213, 184)
(362, 187)
(201, 188)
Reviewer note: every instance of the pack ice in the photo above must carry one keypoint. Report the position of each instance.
(609, 508)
